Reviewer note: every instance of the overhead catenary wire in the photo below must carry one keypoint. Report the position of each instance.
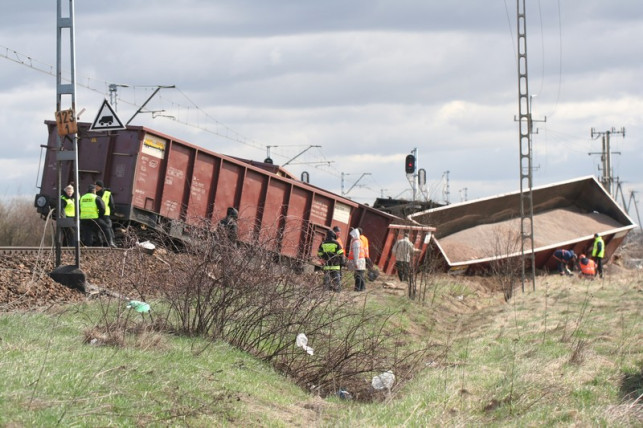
(91, 84)
(189, 115)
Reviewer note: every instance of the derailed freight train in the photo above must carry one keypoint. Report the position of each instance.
(166, 184)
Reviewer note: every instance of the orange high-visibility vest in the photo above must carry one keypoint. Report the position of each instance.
(587, 266)
(364, 240)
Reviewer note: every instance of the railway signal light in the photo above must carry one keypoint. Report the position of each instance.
(410, 164)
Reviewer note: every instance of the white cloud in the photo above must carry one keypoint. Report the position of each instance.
(367, 81)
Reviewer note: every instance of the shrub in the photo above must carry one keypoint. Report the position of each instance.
(21, 225)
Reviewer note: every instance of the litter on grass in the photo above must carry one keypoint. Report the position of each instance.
(302, 342)
(141, 307)
(383, 381)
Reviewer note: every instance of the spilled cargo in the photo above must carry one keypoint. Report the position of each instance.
(471, 235)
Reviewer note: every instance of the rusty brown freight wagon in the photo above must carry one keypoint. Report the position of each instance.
(472, 235)
(163, 183)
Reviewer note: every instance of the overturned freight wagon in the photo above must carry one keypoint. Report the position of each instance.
(471, 235)
(163, 183)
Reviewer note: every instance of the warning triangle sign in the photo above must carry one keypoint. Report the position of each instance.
(106, 119)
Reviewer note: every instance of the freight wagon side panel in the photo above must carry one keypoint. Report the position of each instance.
(295, 230)
(273, 219)
(119, 176)
(149, 174)
(179, 167)
(228, 185)
(342, 218)
(251, 204)
(201, 188)
(93, 156)
(375, 227)
(93, 152)
(154, 177)
(320, 210)
(49, 181)
(419, 235)
(321, 216)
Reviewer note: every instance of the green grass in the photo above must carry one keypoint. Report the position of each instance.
(568, 354)
(49, 377)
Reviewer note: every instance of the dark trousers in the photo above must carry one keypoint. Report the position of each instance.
(332, 280)
(360, 284)
(561, 267)
(88, 229)
(403, 269)
(106, 230)
(599, 266)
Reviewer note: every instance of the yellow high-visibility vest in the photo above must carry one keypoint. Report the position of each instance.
(70, 209)
(595, 252)
(88, 208)
(106, 195)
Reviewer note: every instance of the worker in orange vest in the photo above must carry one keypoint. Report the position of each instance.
(367, 252)
(587, 267)
(357, 260)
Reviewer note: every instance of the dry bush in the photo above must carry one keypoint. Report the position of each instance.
(426, 274)
(20, 224)
(248, 296)
(506, 270)
(258, 301)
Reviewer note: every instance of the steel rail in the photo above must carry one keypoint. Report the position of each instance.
(66, 250)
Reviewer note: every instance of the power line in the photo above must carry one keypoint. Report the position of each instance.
(179, 113)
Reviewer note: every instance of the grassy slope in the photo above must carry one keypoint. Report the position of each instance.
(569, 353)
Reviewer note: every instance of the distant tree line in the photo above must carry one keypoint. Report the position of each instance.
(21, 225)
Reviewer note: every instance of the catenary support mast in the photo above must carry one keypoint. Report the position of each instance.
(66, 87)
(607, 178)
(525, 130)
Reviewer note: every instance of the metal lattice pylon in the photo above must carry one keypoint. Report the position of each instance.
(525, 129)
(66, 87)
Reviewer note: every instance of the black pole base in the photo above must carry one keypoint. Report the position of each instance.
(69, 276)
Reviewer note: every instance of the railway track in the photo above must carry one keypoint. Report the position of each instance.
(65, 250)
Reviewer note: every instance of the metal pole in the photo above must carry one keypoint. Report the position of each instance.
(67, 89)
(158, 88)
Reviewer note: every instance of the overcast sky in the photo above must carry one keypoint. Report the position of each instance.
(367, 80)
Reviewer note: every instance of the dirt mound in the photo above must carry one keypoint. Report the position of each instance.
(25, 282)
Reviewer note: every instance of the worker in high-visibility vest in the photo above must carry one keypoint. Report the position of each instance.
(357, 260)
(339, 240)
(68, 209)
(332, 253)
(598, 252)
(366, 245)
(105, 222)
(91, 209)
(587, 267)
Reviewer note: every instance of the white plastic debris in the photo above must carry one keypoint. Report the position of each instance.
(147, 246)
(384, 380)
(302, 342)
